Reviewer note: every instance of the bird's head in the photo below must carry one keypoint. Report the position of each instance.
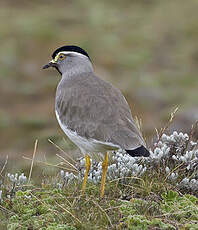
(69, 58)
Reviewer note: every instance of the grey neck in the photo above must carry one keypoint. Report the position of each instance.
(76, 66)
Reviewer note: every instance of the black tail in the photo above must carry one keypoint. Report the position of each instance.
(139, 152)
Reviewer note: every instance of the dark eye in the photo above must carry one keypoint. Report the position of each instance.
(61, 57)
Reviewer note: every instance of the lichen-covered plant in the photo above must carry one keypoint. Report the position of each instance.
(145, 192)
(175, 157)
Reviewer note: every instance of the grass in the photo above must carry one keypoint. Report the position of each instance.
(151, 55)
(124, 207)
(140, 202)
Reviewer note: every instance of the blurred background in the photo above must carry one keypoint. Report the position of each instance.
(147, 48)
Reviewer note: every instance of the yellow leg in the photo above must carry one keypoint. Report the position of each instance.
(87, 165)
(104, 172)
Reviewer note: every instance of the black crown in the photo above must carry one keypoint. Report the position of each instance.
(76, 49)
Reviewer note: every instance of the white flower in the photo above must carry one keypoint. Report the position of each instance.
(62, 173)
(193, 181)
(167, 169)
(186, 136)
(182, 158)
(175, 134)
(22, 179)
(174, 157)
(193, 143)
(188, 167)
(164, 137)
(185, 180)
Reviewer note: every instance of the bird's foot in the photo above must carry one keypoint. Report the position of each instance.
(87, 165)
(104, 172)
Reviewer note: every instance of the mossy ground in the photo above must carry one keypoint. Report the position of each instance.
(141, 204)
(151, 55)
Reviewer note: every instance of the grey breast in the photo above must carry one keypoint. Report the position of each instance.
(95, 109)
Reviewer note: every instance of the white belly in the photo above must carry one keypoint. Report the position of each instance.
(84, 144)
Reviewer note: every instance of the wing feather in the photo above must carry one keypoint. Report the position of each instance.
(95, 109)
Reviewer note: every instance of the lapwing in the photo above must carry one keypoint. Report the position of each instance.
(93, 114)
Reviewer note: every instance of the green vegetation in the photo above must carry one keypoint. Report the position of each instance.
(149, 50)
(49, 208)
(159, 192)
(172, 211)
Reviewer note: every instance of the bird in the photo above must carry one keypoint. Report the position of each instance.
(93, 113)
